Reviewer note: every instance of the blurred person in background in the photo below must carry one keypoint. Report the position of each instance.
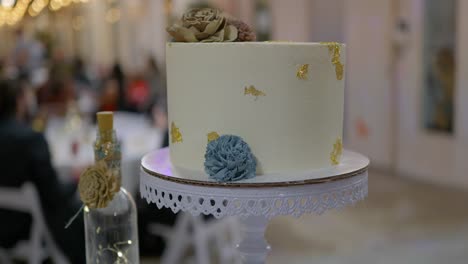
(110, 98)
(59, 68)
(85, 92)
(56, 95)
(24, 158)
(159, 114)
(157, 105)
(20, 68)
(138, 94)
(58, 91)
(156, 83)
(80, 76)
(37, 54)
(20, 56)
(118, 76)
(28, 55)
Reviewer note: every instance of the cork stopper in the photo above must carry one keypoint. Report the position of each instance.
(105, 121)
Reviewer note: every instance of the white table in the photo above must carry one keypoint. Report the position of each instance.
(256, 200)
(137, 137)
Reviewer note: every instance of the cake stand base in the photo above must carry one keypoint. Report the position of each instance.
(258, 201)
(253, 247)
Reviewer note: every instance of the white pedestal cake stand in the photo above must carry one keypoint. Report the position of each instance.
(254, 201)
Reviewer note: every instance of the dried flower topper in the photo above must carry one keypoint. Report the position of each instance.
(209, 25)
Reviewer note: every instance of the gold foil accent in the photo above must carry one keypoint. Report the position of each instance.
(253, 91)
(212, 136)
(334, 48)
(335, 155)
(302, 72)
(176, 136)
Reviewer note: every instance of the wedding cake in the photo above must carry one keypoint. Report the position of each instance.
(239, 108)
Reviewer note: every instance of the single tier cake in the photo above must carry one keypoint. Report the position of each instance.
(283, 99)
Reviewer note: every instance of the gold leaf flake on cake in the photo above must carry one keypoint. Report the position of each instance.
(302, 72)
(334, 48)
(251, 90)
(335, 155)
(176, 136)
(212, 136)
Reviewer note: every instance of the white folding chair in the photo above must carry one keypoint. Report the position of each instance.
(200, 234)
(4, 258)
(40, 244)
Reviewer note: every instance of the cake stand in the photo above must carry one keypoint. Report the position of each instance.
(254, 201)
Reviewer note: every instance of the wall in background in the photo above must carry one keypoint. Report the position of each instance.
(368, 107)
(436, 157)
(139, 34)
(291, 20)
(366, 26)
(327, 20)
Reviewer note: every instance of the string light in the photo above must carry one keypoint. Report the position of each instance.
(120, 249)
(13, 11)
(32, 12)
(14, 15)
(37, 6)
(8, 3)
(55, 5)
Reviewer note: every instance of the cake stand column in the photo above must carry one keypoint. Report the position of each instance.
(253, 247)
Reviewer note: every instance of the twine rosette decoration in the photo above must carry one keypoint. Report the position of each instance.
(210, 25)
(98, 184)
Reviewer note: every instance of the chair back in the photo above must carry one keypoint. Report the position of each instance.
(26, 199)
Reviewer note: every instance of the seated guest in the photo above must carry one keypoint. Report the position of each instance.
(138, 94)
(109, 100)
(56, 95)
(118, 76)
(25, 157)
(155, 80)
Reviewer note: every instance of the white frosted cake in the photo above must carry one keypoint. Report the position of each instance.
(284, 99)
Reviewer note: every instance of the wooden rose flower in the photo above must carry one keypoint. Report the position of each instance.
(203, 25)
(97, 185)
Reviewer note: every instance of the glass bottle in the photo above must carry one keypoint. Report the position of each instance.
(111, 233)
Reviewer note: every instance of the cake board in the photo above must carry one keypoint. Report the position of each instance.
(255, 201)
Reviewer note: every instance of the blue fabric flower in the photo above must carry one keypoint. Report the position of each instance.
(229, 158)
